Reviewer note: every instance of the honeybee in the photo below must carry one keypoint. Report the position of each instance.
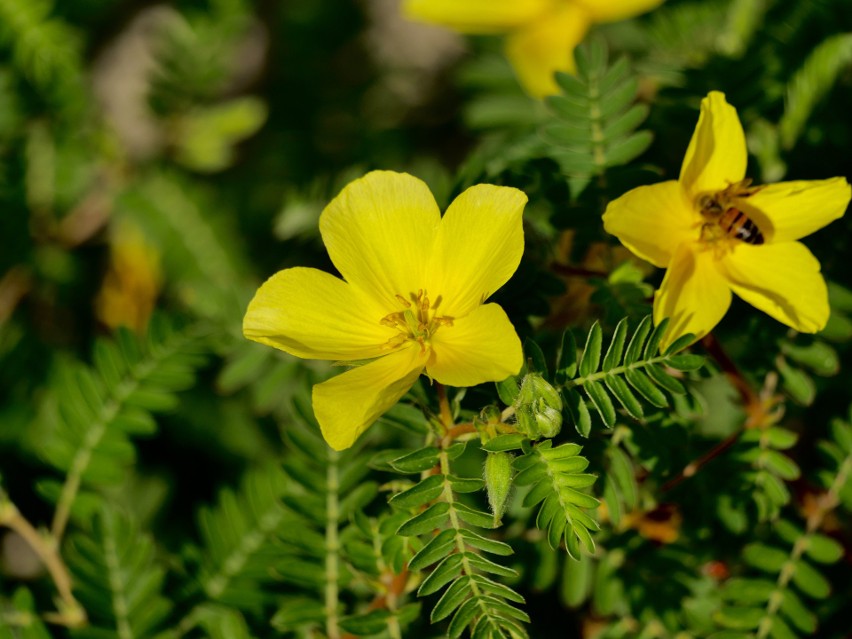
(719, 211)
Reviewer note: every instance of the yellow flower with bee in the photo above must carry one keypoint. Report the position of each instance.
(716, 234)
(412, 298)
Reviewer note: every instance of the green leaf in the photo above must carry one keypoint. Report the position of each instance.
(653, 345)
(370, 623)
(625, 124)
(535, 357)
(685, 362)
(566, 364)
(443, 574)
(483, 543)
(592, 352)
(417, 461)
(602, 402)
(511, 441)
(464, 615)
(739, 617)
(436, 549)
(625, 397)
(466, 484)
(679, 344)
(427, 521)
(629, 149)
(810, 581)
(823, 549)
(452, 598)
(797, 612)
(780, 464)
(637, 342)
(818, 356)
(576, 406)
(421, 494)
(765, 558)
(473, 516)
(616, 346)
(662, 378)
(638, 380)
(508, 390)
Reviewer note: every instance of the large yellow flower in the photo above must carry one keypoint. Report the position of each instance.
(413, 298)
(716, 233)
(542, 34)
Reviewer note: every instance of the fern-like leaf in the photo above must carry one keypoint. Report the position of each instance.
(118, 579)
(93, 412)
(324, 491)
(627, 369)
(238, 534)
(595, 117)
(776, 601)
(472, 598)
(557, 480)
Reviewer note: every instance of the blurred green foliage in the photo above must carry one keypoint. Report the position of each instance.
(163, 477)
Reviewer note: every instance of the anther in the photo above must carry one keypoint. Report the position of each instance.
(403, 301)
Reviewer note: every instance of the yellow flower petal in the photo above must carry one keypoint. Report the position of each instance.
(694, 294)
(479, 247)
(791, 210)
(312, 314)
(346, 405)
(652, 221)
(482, 347)
(614, 10)
(717, 155)
(782, 280)
(476, 16)
(379, 233)
(545, 46)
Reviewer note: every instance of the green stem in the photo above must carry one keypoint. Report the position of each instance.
(456, 524)
(617, 370)
(45, 547)
(119, 601)
(332, 547)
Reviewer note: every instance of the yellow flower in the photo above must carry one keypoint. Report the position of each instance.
(413, 298)
(716, 233)
(542, 34)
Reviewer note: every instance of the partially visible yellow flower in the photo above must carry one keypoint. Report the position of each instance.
(541, 34)
(133, 281)
(412, 298)
(716, 233)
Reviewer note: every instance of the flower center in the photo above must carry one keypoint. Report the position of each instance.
(417, 322)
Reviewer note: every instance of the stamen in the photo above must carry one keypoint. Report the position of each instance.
(417, 323)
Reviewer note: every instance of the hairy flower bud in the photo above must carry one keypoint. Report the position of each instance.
(498, 482)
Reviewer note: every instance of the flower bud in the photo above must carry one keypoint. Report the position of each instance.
(549, 420)
(538, 408)
(498, 482)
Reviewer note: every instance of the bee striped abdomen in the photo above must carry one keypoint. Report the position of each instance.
(737, 225)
